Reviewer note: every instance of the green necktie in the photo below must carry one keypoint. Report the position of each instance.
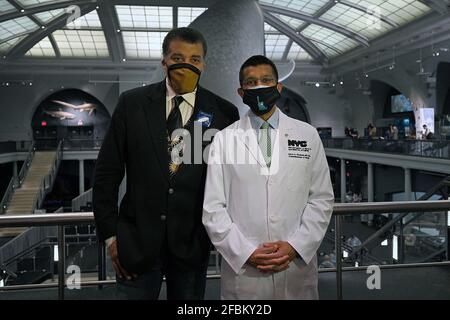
(265, 143)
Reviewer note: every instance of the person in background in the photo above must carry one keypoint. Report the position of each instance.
(371, 130)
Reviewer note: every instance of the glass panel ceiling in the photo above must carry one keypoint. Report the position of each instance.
(332, 38)
(88, 21)
(7, 45)
(143, 45)
(5, 6)
(269, 28)
(400, 11)
(292, 22)
(81, 43)
(356, 20)
(329, 51)
(43, 48)
(47, 16)
(305, 6)
(15, 27)
(30, 3)
(275, 45)
(187, 15)
(144, 27)
(298, 53)
(145, 17)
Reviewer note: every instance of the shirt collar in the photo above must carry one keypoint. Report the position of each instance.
(257, 122)
(188, 97)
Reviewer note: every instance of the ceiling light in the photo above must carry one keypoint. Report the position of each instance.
(317, 84)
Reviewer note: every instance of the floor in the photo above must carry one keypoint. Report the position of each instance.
(405, 284)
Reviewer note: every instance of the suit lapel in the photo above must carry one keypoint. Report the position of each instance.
(155, 115)
(203, 104)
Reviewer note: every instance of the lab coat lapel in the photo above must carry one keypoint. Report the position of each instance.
(250, 140)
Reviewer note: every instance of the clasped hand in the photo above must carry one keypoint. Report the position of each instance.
(273, 256)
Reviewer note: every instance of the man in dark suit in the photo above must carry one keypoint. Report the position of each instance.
(157, 230)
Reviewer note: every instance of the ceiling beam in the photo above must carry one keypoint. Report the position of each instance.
(26, 44)
(55, 46)
(370, 12)
(405, 39)
(301, 40)
(169, 3)
(330, 4)
(175, 17)
(440, 6)
(19, 8)
(315, 20)
(42, 8)
(110, 24)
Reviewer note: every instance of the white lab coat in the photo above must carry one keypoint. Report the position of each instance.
(247, 204)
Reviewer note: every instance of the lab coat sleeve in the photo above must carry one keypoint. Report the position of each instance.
(318, 210)
(229, 241)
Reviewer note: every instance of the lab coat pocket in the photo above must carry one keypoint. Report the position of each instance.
(298, 175)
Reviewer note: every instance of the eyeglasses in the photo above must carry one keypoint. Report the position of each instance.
(253, 82)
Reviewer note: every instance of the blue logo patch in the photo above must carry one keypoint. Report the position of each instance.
(261, 105)
(204, 118)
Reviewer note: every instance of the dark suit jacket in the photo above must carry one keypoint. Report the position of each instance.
(154, 206)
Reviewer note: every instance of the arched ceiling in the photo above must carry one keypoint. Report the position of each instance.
(120, 30)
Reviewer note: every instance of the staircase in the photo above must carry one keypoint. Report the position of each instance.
(24, 198)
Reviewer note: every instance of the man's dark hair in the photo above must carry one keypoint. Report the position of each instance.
(184, 34)
(255, 61)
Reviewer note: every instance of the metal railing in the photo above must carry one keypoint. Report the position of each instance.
(82, 200)
(13, 183)
(49, 179)
(339, 210)
(422, 148)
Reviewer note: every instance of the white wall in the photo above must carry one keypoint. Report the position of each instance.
(325, 108)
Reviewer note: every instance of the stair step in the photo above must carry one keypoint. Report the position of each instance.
(23, 198)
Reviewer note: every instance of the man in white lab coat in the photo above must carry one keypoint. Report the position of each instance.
(268, 196)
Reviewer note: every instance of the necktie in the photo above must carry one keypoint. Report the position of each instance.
(265, 143)
(175, 120)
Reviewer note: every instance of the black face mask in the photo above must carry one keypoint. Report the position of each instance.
(261, 99)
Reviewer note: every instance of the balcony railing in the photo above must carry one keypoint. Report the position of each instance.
(340, 210)
(421, 148)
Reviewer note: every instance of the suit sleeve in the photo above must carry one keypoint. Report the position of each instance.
(318, 210)
(224, 234)
(109, 172)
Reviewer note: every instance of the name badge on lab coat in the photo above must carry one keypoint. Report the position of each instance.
(298, 149)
